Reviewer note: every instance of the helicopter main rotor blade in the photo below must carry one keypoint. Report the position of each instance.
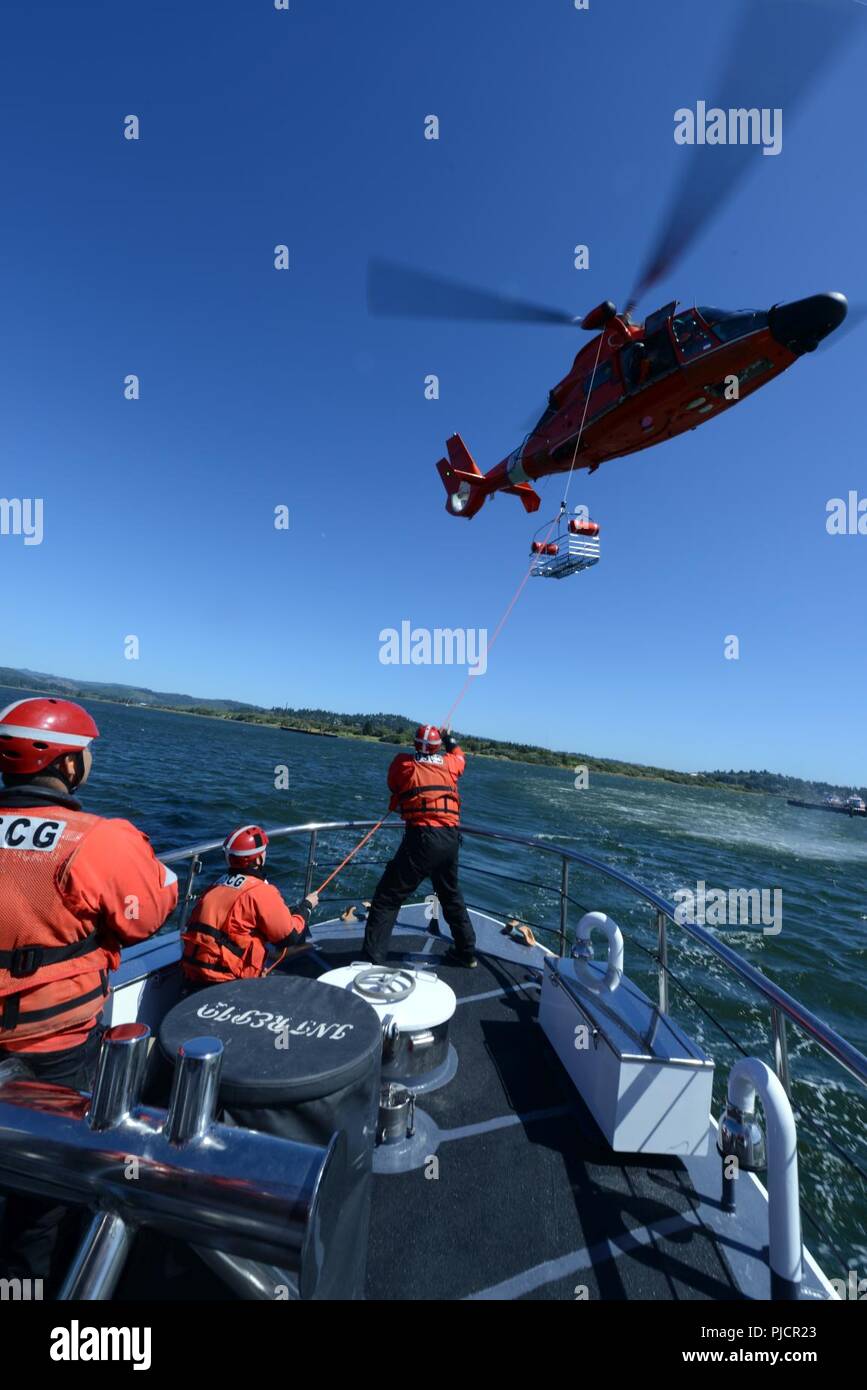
(778, 49)
(399, 291)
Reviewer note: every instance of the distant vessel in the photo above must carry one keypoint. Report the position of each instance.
(317, 733)
(852, 806)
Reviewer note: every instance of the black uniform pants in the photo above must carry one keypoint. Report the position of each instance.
(39, 1238)
(424, 852)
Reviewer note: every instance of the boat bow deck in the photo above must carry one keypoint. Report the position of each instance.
(523, 1198)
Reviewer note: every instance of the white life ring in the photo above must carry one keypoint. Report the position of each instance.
(582, 952)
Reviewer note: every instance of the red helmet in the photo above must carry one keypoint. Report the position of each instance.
(245, 844)
(34, 732)
(427, 739)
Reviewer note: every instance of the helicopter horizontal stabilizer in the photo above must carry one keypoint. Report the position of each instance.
(531, 499)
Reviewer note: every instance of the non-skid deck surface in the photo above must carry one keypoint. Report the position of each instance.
(525, 1200)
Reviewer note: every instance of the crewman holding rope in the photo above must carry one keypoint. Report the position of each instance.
(238, 917)
(424, 789)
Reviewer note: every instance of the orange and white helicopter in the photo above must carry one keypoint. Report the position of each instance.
(636, 384)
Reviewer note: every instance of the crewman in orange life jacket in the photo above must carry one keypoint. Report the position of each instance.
(74, 889)
(238, 917)
(424, 788)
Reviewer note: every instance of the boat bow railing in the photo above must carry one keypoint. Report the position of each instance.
(783, 1007)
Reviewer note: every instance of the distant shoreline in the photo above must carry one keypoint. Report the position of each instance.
(679, 778)
(676, 778)
(397, 731)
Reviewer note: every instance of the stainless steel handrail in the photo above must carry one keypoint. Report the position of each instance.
(177, 1170)
(783, 1005)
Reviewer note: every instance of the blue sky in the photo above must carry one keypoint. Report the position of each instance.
(259, 388)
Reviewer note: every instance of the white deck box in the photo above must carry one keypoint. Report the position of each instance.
(647, 1085)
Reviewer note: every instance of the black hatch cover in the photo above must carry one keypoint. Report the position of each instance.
(285, 1039)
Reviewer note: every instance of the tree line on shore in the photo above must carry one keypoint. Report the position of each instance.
(398, 730)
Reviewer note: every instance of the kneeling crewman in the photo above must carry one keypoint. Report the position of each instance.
(238, 917)
(424, 788)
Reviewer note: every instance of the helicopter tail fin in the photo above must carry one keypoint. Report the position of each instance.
(467, 487)
(462, 479)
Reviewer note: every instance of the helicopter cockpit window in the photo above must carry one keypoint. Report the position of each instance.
(729, 324)
(690, 334)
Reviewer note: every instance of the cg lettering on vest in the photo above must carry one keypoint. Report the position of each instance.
(77, 1343)
(22, 832)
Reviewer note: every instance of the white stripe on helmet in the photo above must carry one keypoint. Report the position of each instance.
(243, 853)
(15, 705)
(45, 735)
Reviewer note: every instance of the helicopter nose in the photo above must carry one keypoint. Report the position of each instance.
(801, 325)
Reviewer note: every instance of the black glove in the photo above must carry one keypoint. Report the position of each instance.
(449, 743)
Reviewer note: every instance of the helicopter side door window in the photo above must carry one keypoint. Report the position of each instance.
(691, 336)
(644, 362)
(631, 360)
(657, 321)
(605, 389)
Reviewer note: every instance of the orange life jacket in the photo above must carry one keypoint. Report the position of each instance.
(229, 927)
(430, 794)
(53, 966)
